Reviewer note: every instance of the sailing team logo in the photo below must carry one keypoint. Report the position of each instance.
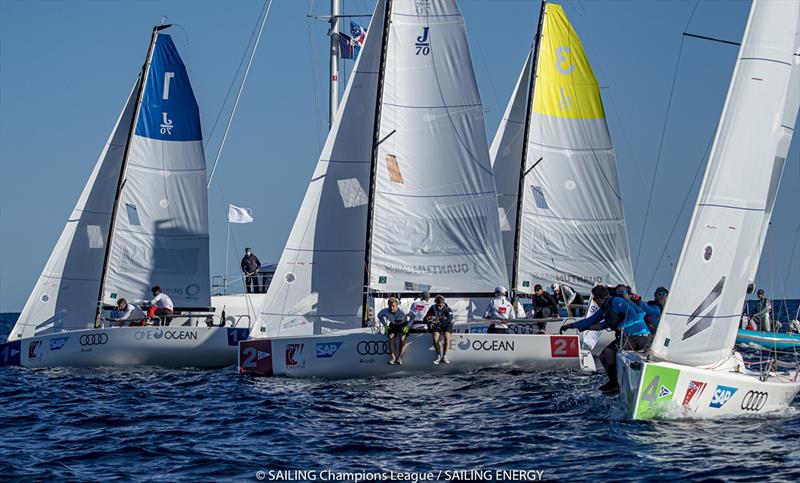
(294, 355)
(722, 395)
(32, 348)
(704, 314)
(693, 393)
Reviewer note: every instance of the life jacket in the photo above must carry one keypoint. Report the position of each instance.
(620, 321)
(648, 319)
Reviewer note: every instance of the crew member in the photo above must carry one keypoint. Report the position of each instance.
(417, 311)
(623, 317)
(397, 327)
(544, 307)
(654, 308)
(250, 266)
(499, 309)
(762, 317)
(161, 306)
(565, 295)
(440, 318)
(126, 311)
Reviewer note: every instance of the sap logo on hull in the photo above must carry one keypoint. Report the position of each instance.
(56, 343)
(722, 395)
(327, 349)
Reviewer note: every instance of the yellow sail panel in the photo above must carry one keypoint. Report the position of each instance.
(565, 84)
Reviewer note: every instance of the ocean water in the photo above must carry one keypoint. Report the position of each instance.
(193, 425)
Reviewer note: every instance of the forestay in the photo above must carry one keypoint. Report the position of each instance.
(65, 295)
(161, 230)
(572, 228)
(319, 280)
(435, 222)
(732, 212)
(505, 154)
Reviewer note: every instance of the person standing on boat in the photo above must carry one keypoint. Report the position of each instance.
(544, 307)
(126, 311)
(499, 309)
(250, 266)
(394, 320)
(762, 317)
(622, 316)
(441, 320)
(565, 295)
(416, 313)
(161, 305)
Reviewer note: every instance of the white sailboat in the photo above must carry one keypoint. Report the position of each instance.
(692, 368)
(555, 168)
(402, 200)
(141, 220)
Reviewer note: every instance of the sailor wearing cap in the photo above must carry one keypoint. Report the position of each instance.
(654, 308)
(499, 309)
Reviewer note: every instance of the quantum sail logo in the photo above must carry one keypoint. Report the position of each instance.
(704, 314)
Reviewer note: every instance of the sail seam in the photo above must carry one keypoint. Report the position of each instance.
(432, 107)
(767, 60)
(715, 205)
(458, 195)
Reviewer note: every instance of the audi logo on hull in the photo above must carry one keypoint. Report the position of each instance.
(373, 348)
(93, 339)
(754, 400)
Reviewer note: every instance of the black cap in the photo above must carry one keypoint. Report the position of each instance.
(537, 287)
(760, 291)
(426, 294)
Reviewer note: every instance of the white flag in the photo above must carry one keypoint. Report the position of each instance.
(239, 215)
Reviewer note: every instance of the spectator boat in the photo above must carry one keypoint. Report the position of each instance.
(403, 199)
(141, 220)
(693, 369)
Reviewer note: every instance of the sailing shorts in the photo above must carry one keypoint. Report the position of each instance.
(441, 326)
(394, 329)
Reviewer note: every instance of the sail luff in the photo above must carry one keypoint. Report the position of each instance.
(523, 165)
(374, 161)
(725, 235)
(122, 171)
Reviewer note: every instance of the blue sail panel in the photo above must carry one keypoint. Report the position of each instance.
(169, 109)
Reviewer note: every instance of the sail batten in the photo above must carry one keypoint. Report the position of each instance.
(726, 233)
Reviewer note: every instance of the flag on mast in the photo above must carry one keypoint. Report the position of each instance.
(239, 215)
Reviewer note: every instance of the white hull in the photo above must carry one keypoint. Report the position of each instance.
(365, 354)
(241, 309)
(127, 346)
(661, 390)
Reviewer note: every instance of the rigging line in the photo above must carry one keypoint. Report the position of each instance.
(703, 37)
(678, 216)
(313, 82)
(233, 83)
(239, 94)
(661, 142)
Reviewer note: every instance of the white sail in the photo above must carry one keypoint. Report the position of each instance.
(319, 282)
(734, 204)
(65, 295)
(435, 219)
(161, 229)
(506, 154)
(572, 227)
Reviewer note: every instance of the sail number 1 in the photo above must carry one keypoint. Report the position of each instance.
(167, 77)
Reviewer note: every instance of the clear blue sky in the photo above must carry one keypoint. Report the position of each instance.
(67, 66)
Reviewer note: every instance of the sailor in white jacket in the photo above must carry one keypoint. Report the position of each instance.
(499, 309)
(416, 312)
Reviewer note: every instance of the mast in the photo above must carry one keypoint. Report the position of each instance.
(123, 168)
(334, 61)
(523, 161)
(374, 165)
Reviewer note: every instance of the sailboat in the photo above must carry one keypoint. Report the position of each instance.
(402, 200)
(692, 368)
(141, 220)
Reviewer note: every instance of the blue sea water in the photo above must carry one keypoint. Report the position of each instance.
(193, 425)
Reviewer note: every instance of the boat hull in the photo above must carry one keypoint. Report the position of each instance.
(362, 354)
(204, 347)
(768, 340)
(661, 390)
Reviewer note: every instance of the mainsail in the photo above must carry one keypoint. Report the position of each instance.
(161, 231)
(725, 237)
(418, 211)
(66, 294)
(435, 220)
(571, 225)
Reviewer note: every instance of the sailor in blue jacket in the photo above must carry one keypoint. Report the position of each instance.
(622, 316)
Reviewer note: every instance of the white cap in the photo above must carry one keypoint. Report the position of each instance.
(500, 289)
(555, 286)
